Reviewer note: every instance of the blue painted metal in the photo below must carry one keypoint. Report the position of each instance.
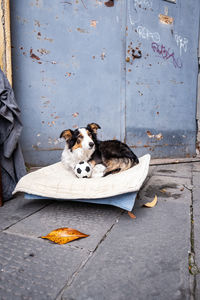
(162, 85)
(67, 71)
(72, 65)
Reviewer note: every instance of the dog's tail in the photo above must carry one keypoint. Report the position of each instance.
(133, 158)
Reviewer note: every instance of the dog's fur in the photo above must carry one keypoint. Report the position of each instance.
(107, 157)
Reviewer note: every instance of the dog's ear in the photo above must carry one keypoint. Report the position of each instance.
(93, 127)
(66, 134)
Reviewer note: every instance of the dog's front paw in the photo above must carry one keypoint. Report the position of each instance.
(98, 171)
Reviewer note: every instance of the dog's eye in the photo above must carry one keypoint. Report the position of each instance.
(78, 141)
(89, 134)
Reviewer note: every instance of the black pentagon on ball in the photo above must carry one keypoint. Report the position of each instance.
(81, 162)
(87, 169)
(79, 171)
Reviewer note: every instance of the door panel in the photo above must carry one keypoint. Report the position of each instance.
(67, 67)
(161, 85)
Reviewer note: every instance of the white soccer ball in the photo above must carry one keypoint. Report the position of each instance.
(83, 170)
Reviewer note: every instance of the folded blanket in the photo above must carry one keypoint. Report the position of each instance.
(125, 201)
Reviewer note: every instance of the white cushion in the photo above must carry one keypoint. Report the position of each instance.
(55, 181)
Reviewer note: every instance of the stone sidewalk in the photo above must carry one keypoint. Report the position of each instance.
(153, 257)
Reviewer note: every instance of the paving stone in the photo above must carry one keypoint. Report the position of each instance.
(35, 269)
(166, 188)
(173, 170)
(142, 259)
(196, 176)
(91, 219)
(196, 166)
(197, 287)
(196, 216)
(196, 224)
(14, 210)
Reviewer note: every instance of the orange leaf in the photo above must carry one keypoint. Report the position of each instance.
(64, 235)
(131, 215)
(152, 203)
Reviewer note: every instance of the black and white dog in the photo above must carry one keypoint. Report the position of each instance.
(106, 157)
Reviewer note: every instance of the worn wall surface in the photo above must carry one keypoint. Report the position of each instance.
(5, 42)
(162, 85)
(131, 67)
(198, 107)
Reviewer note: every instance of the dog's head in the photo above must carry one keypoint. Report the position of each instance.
(82, 138)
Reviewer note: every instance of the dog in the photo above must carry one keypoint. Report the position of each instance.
(106, 157)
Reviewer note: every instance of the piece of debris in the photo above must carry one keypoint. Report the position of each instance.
(131, 215)
(152, 203)
(64, 235)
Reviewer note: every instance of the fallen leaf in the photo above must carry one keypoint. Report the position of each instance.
(163, 191)
(64, 235)
(131, 215)
(152, 203)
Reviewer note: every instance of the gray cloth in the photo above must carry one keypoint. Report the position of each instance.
(11, 159)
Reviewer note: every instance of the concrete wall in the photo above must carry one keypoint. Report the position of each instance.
(5, 41)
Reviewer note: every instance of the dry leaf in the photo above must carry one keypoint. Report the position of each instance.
(64, 235)
(163, 191)
(152, 203)
(131, 215)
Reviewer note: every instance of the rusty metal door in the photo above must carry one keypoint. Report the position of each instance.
(76, 62)
(161, 86)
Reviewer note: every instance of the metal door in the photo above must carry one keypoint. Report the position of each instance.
(161, 86)
(67, 70)
(77, 61)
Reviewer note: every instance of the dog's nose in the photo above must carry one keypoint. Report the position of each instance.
(91, 144)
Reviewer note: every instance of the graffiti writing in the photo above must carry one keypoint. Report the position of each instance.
(134, 17)
(181, 42)
(147, 34)
(166, 54)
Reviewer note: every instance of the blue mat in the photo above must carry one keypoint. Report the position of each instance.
(124, 201)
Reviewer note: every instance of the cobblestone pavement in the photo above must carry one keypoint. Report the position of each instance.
(153, 257)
